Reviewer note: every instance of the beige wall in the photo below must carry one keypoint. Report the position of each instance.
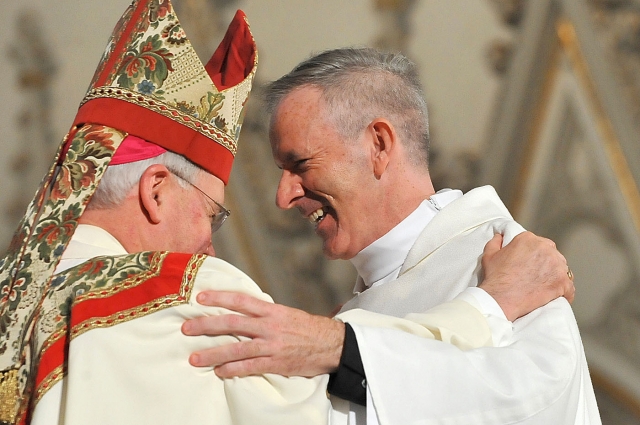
(449, 42)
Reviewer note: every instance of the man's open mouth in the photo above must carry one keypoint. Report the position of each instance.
(317, 216)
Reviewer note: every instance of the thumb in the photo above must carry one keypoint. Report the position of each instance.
(493, 246)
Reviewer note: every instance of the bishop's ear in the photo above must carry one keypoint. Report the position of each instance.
(153, 190)
(385, 140)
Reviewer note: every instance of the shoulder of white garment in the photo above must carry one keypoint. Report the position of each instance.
(219, 275)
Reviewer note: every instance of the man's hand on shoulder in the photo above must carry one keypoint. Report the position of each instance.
(284, 340)
(525, 274)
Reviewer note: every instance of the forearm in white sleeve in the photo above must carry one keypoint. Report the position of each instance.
(536, 377)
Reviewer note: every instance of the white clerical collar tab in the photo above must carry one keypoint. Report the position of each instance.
(381, 261)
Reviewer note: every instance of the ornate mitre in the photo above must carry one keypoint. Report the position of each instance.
(149, 84)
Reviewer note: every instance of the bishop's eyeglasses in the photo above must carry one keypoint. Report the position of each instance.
(218, 218)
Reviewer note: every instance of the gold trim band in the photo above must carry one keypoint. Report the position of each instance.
(204, 128)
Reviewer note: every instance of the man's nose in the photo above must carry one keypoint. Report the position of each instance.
(289, 190)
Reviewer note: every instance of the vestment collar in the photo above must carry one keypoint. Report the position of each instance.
(381, 261)
(88, 238)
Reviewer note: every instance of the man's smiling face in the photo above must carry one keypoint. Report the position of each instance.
(327, 178)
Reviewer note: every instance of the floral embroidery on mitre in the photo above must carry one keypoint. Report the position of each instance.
(174, 34)
(160, 63)
(159, 9)
(150, 62)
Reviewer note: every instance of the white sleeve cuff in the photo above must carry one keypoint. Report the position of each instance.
(501, 328)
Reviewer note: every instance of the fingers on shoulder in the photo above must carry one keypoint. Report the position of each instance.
(246, 367)
(235, 301)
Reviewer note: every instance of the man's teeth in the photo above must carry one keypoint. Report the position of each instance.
(316, 216)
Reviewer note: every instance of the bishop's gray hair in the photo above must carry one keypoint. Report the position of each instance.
(358, 85)
(118, 180)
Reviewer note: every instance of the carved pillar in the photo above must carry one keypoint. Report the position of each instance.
(30, 53)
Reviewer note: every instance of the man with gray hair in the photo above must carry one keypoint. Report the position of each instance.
(349, 129)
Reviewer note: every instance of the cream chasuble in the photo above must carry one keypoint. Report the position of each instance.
(137, 371)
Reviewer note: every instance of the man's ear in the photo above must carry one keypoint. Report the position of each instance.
(385, 140)
(153, 189)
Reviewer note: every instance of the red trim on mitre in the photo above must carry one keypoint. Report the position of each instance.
(155, 128)
(163, 288)
(235, 57)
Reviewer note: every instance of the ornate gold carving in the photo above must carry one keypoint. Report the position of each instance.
(8, 395)
(568, 43)
(499, 55)
(619, 164)
(511, 11)
(33, 58)
(618, 393)
(500, 52)
(618, 25)
(210, 131)
(395, 24)
(551, 75)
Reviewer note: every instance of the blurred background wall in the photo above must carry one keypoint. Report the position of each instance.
(540, 98)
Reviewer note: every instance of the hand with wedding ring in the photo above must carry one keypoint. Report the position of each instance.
(525, 274)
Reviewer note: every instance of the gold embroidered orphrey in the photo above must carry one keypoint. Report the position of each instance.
(99, 279)
(37, 305)
(26, 271)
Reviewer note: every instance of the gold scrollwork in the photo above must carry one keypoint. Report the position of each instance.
(8, 396)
